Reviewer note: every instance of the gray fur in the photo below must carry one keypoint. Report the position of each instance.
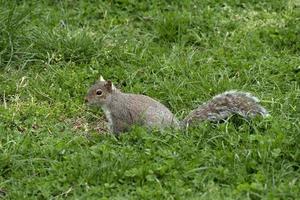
(224, 105)
(130, 109)
(124, 110)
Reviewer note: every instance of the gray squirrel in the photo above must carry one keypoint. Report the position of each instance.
(123, 110)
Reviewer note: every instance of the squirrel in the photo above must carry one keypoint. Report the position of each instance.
(123, 110)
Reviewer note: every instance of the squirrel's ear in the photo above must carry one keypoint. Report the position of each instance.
(109, 86)
(101, 78)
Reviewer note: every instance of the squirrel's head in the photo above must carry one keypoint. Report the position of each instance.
(100, 93)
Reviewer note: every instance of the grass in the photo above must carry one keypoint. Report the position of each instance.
(179, 52)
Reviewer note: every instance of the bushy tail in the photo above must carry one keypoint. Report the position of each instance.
(224, 105)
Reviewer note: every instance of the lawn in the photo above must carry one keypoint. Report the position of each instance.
(52, 146)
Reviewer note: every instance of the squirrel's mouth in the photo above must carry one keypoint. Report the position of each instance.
(92, 103)
(89, 103)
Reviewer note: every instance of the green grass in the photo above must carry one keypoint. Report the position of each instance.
(179, 52)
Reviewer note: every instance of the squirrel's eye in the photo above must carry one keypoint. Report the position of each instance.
(99, 92)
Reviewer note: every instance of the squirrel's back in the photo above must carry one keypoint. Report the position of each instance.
(131, 109)
(224, 105)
